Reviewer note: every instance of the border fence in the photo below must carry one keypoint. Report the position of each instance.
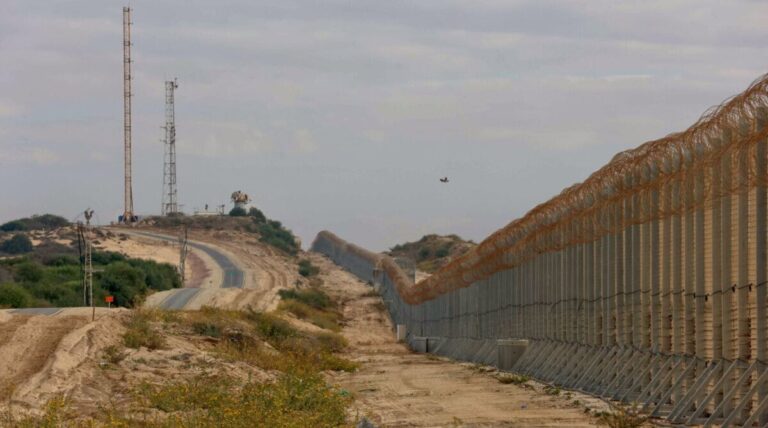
(646, 283)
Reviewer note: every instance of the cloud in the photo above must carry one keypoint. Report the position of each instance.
(228, 140)
(516, 100)
(31, 155)
(303, 142)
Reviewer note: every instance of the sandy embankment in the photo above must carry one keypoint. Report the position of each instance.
(395, 387)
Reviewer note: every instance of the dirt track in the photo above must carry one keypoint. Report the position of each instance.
(397, 388)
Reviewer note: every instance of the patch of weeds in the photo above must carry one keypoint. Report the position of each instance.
(56, 413)
(169, 317)
(328, 320)
(307, 269)
(206, 329)
(552, 390)
(512, 378)
(140, 331)
(113, 354)
(332, 342)
(290, 401)
(271, 328)
(312, 296)
(622, 417)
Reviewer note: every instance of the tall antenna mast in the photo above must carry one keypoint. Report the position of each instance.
(128, 215)
(170, 205)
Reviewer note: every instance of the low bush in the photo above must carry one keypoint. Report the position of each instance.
(113, 354)
(273, 233)
(18, 244)
(314, 297)
(257, 215)
(14, 296)
(140, 331)
(237, 212)
(307, 269)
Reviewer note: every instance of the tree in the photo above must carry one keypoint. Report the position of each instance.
(29, 272)
(125, 282)
(13, 226)
(14, 296)
(237, 212)
(18, 244)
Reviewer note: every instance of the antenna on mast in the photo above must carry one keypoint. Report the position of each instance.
(170, 203)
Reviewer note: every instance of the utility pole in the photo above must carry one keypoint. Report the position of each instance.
(88, 261)
(128, 214)
(170, 205)
(183, 254)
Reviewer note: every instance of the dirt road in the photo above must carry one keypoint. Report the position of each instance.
(397, 388)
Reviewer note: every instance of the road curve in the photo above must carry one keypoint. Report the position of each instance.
(179, 298)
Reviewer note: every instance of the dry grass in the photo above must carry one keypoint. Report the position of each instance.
(141, 330)
(326, 319)
(622, 417)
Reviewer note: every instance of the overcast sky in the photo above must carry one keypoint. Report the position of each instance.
(343, 115)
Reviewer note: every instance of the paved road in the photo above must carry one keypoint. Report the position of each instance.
(36, 311)
(178, 299)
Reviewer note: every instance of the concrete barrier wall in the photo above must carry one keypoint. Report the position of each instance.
(646, 283)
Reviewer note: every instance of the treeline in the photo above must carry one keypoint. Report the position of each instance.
(36, 222)
(56, 281)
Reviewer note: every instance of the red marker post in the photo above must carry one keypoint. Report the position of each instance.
(109, 300)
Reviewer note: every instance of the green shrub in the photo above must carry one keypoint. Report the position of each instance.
(36, 222)
(106, 257)
(271, 328)
(28, 271)
(13, 226)
(257, 215)
(125, 282)
(18, 244)
(424, 253)
(14, 296)
(307, 269)
(237, 212)
(273, 233)
(442, 252)
(313, 297)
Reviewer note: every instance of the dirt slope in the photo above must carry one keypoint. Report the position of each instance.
(397, 388)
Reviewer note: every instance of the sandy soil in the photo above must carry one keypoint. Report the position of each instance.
(44, 356)
(397, 388)
(266, 270)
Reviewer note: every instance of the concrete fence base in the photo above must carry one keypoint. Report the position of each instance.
(509, 352)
